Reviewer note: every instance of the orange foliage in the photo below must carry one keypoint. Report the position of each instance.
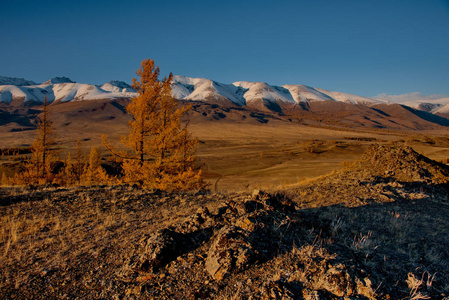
(37, 170)
(161, 151)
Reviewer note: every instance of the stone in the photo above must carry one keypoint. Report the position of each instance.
(230, 252)
(159, 249)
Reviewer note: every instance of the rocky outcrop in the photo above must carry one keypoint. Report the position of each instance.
(248, 234)
(159, 249)
(230, 252)
(245, 233)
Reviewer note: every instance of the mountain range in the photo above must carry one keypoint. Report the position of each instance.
(18, 91)
(257, 95)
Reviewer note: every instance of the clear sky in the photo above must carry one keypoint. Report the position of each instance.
(356, 46)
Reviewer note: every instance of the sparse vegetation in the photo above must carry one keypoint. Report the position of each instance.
(375, 233)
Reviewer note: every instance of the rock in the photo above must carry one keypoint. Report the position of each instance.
(310, 295)
(403, 163)
(160, 248)
(230, 252)
(278, 202)
(251, 205)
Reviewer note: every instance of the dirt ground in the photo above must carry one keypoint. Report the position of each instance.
(376, 229)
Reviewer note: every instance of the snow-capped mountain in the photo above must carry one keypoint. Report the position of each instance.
(258, 93)
(117, 87)
(203, 89)
(433, 106)
(444, 109)
(315, 104)
(62, 89)
(303, 93)
(351, 99)
(241, 93)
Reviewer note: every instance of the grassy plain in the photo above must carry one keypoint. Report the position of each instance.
(248, 156)
(238, 150)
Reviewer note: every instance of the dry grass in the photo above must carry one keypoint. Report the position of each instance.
(67, 236)
(81, 241)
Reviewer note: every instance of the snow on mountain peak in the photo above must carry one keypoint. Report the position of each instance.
(203, 89)
(59, 79)
(303, 93)
(117, 86)
(430, 105)
(187, 80)
(257, 91)
(120, 84)
(352, 99)
(255, 94)
(62, 89)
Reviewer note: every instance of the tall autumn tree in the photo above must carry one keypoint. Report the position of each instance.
(38, 170)
(161, 151)
(42, 145)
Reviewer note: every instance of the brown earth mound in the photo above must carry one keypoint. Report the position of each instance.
(384, 174)
(403, 164)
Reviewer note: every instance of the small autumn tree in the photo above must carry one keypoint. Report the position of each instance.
(94, 172)
(80, 162)
(37, 170)
(161, 151)
(68, 176)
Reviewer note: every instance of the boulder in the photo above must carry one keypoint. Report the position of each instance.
(160, 249)
(230, 252)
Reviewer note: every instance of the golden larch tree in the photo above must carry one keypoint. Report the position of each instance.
(41, 147)
(37, 170)
(161, 151)
(94, 172)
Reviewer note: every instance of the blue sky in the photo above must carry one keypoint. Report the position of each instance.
(359, 47)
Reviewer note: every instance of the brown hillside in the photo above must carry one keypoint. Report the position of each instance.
(402, 164)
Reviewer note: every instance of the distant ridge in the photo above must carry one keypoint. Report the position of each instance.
(56, 80)
(437, 106)
(257, 95)
(59, 89)
(118, 86)
(15, 81)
